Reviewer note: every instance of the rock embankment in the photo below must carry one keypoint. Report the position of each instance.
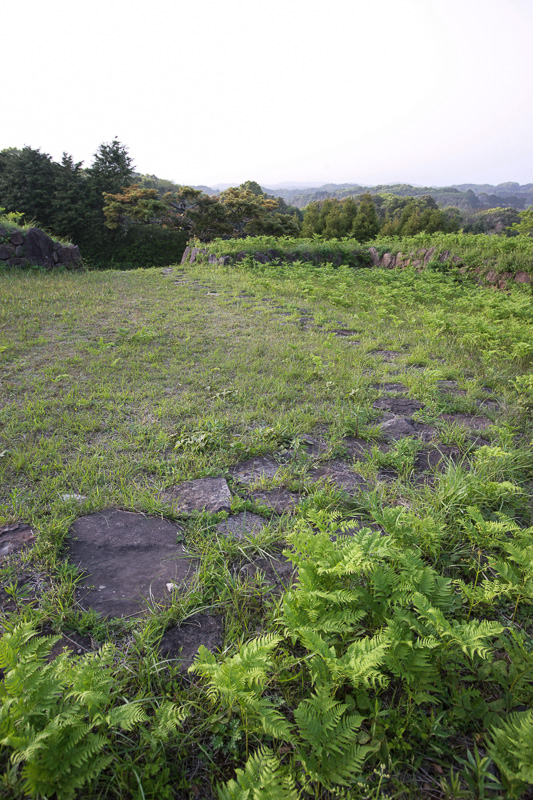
(19, 248)
(371, 257)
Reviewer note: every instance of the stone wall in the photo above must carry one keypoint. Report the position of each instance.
(363, 258)
(20, 248)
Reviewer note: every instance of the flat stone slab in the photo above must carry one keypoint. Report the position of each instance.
(253, 469)
(280, 501)
(451, 387)
(127, 558)
(202, 494)
(241, 526)
(340, 475)
(402, 406)
(358, 449)
(345, 333)
(181, 642)
(275, 571)
(14, 537)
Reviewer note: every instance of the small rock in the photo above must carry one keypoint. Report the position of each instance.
(254, 469)
(277, 572)
(203, 494)
(15, 537)
(396, 428)
(340, 475)
(390, 387)
(241, 526)
(522, 277)
(280, 501)
(181, 642)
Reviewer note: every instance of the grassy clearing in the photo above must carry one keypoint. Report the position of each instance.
(400, 665)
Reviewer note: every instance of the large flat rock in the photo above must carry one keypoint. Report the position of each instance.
(126, 559)
(202, 494)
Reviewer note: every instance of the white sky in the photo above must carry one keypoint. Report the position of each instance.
(431, 92)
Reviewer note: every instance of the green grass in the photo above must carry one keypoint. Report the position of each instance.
(118, 385)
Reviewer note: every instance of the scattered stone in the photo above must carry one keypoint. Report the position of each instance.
(167, 271)
(280, 501)
(241, 526)
(467, 421)
(358, 449)
(522, 277)
(181, 642)
(424, 431)
(276, 571)
(202, 494)
(127, 558)
(390, 387)
(434, 458)
(403, 406)
(343, 332)
(396, 428)
(254, 469)
(340, 475)
(15, 537)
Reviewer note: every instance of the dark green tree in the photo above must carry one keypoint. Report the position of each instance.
(366, 224)
(27, 181)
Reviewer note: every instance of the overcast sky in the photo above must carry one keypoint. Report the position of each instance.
(431, 92)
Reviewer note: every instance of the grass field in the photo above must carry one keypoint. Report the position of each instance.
(400, 662)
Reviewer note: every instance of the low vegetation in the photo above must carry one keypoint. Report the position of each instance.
(399, 664)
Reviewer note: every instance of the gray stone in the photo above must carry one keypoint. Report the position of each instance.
(374, 255)
(38, 248)
(126, 559)
(69, 255)
(18, 250)
(224, 261)
(15, 262)
(6, 251)
(402, 406)
(280, 501)
(261, 258)
(241, 526)
(15, 537)
(396, 428)
(17, 238)
(276, 572)
(340, 476)
(3, 232)
(388, 260)
(254, 469)
(181, 642)
(212, 258)
(203, 494)
(186, 254)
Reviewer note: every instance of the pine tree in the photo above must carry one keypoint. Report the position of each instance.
(366, 224)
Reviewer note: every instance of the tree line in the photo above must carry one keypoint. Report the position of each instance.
(117, 216)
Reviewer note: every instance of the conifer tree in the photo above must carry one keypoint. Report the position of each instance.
(366, 224)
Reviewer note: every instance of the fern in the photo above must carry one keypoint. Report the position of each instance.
(262, 778)
(58, 718)
(329, 747)
(240, 680)
(511, 748)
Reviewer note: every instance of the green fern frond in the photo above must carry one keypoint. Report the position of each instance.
(263, 778)
(511, 746)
